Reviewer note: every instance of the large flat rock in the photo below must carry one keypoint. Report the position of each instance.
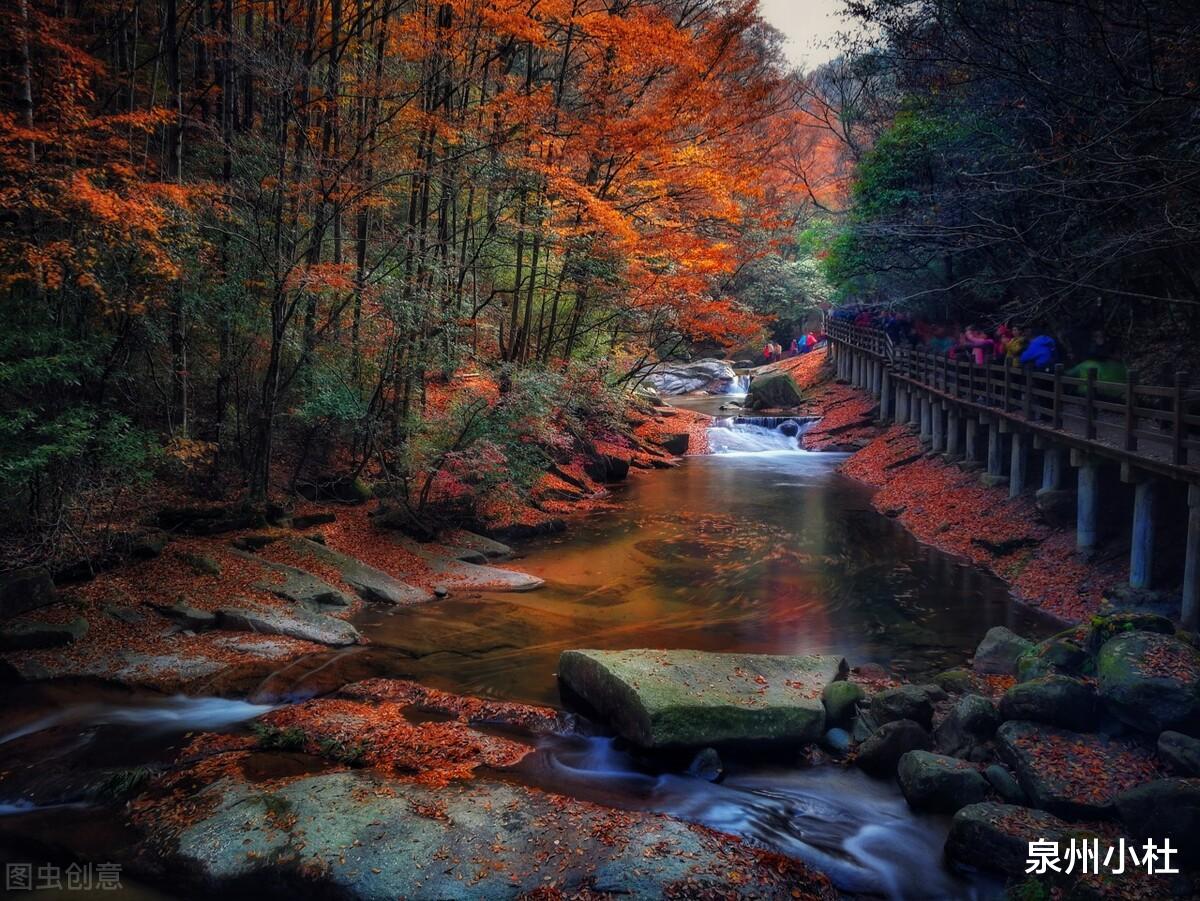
(672, 698)
(369, 583)
(357, 835)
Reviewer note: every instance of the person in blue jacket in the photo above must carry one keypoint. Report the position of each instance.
(1042, 353)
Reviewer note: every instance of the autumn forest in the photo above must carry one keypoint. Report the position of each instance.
(588, 448)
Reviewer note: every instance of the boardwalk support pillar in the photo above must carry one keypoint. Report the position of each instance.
(1018, 464)
(953, 430)
(939, 426)
(926, 419)
(972, 440)
(1054, 464)
(1190, 614)
(886, 396)
(1141, 549)
(1088, 506)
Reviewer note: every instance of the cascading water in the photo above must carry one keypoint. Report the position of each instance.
(756, 435)
(857, 830)
(740, 384)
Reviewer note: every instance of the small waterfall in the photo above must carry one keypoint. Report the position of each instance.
(739, 385)
(756, 434)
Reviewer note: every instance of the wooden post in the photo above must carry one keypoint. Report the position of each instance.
(1190, 613)
(1058, 394)
(1179, 452)
(1027, 399)
(926, 419)
(939, 425)
(995, 458)
(1089, 409)
(1004, 402)
(1130, 410)
(1141, 550)
(886, 395)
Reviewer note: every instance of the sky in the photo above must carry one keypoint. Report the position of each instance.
(808, 25)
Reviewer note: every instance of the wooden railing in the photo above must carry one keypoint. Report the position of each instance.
(1155, 425)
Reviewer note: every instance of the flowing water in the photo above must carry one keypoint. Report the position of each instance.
(760, 547)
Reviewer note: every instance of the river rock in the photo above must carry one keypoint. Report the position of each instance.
(200, 564)
(1004, 784)
(369, 583)
(905, 702)
(25, 589)
(1104, 628)
(381, 838)
(1055, 700)
(998, 652)
(469, 541)
(188, 617)
(33, 635)
(841, 701)
(996, 837)
(837, 740)
(454, 573)
(297, 586)
(713, 376)
(939, 783)
(1060, 654)
(967, 728)
(706, 765)
(1165, 808)
(676, 444)
(957, 681)
(773, 391)
(1151, 682)
(1180, 752)
(669, 698)
(880, 753)
(1072, 774)
(294, 623)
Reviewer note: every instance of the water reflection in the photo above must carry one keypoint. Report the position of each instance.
(757, 552)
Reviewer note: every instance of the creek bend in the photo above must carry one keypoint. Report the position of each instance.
(759, 547)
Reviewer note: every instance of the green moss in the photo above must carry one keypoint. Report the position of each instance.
(274, 739)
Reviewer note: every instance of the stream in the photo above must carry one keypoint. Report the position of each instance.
(760, 547)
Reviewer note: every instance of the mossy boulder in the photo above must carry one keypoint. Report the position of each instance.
(1151, 682)
(1062, 654)
(1181, 753)
(841, 701)
(1103, 628)
(1056, 700)
(939, 783)
(33, 635)
(773, 391)
(956, 681)
(996, 837)
(661, 699)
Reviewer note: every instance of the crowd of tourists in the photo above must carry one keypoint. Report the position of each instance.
(1010, 342)
(773, 351)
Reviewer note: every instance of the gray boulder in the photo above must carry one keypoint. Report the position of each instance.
(938, 783)
(297, 586)
(880, 753)
(1056, 700)
(996, 837)
(34, 635)
(382, 838)
(1180, 752)
(1165, 808)
(773, 391)
(706, 765)
(998, 652)
(1151, 682)
(188, 617)
(967, 728)
(294, 623)
(693, 698)
(369, 583)
(906, 702)
(1004, 784)
(713, 376)
(25, 589)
